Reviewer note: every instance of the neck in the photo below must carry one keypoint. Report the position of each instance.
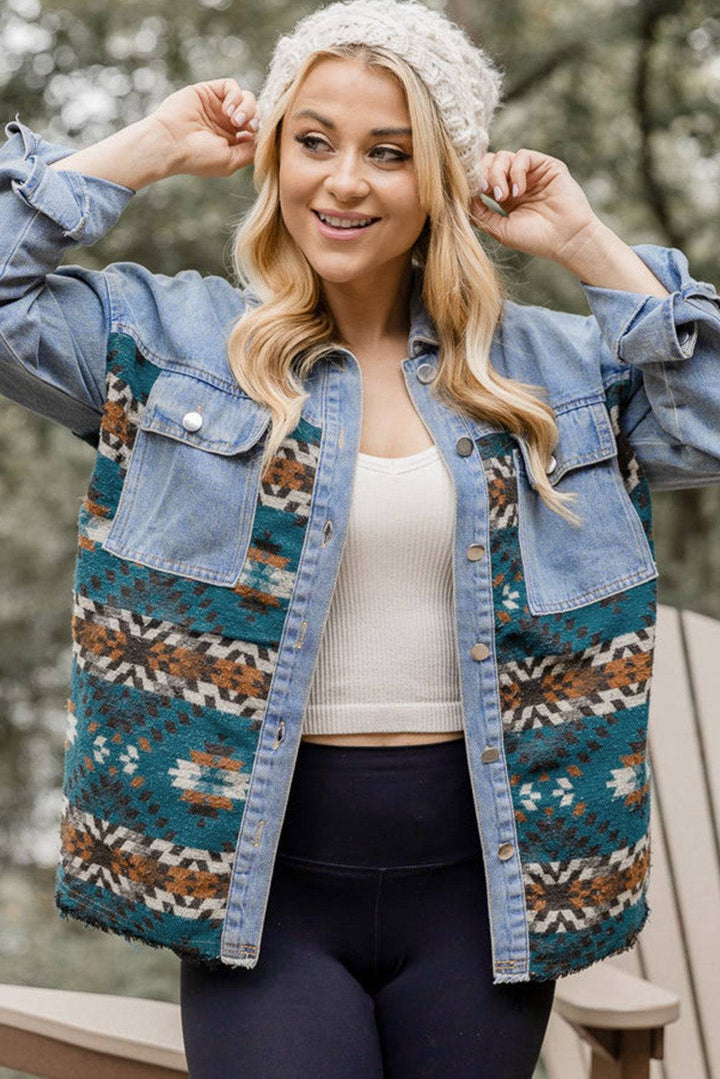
(369, 312)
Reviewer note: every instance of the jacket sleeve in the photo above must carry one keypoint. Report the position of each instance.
(54, 321)
(669, 351)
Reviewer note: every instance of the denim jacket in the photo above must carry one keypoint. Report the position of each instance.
(201, 594)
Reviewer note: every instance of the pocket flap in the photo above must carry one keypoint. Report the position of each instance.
(229, 422)
(585, 435)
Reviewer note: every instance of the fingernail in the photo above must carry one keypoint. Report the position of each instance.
(485, 186)
(254, 123)
(239, 117)
(498, 192)
(515, 190)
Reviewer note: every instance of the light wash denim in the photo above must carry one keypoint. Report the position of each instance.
(55, 323)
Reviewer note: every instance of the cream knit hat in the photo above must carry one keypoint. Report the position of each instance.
(462, 79)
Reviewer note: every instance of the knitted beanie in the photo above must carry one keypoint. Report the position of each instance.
(462, 79)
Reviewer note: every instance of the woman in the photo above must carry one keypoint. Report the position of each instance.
(351, 678)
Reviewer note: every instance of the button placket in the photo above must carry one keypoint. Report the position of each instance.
(507, 932)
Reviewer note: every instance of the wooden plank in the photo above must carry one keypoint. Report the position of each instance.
(662, 958)
(630, 1056)
(604, 996)
(146, 1031)
(658, 955)
(563, 1054)
(681, 844)
(35, 1054)
(702, 638)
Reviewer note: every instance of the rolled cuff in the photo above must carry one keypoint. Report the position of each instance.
(645, 329)
(84, 207)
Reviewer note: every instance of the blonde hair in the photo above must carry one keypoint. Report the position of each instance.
(275, 345)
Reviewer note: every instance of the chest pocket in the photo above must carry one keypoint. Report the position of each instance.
(566, 566)
(188, 500)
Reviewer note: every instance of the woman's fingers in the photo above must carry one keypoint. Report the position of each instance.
(496, 171)
(506, 172)
(518, 173)
(240, 105)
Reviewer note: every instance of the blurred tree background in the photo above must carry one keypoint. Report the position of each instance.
(626, 92)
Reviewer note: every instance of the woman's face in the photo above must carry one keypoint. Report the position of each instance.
(346, 149)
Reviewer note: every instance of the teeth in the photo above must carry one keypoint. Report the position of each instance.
(339, 222)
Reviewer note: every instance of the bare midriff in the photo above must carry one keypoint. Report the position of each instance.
(384, 738)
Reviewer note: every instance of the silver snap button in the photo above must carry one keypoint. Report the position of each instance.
(551, 465)
(192, 421)
(480, 651)
(464, 446)
(425, 372)
(489, 754)
(505, 851)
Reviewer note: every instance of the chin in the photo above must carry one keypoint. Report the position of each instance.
(339, 278)
(339, 275)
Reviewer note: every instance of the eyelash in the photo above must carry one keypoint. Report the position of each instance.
(306, 139)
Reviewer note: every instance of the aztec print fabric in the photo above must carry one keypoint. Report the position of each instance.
(169, 683)
(170, 677)
(574, 693)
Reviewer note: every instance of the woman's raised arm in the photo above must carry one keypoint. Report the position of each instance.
(55, 320)
(137, 155)
(192, 131)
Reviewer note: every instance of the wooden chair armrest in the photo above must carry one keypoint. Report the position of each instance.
(131, 1028)
(606, 996)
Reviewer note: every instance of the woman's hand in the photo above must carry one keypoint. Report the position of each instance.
(550, 214)
(205, 139)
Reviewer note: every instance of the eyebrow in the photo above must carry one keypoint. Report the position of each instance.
(382, 131)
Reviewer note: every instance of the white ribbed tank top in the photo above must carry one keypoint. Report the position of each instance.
(387, 659)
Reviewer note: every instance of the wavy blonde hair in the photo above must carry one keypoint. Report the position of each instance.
(275, 345)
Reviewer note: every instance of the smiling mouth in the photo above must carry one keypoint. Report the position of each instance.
(350, 227)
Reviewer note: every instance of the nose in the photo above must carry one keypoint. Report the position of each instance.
(346, 178)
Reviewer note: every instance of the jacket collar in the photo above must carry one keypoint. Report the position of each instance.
(422, 328)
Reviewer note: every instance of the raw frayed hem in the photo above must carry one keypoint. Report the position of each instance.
(91, 920)
(565, 972)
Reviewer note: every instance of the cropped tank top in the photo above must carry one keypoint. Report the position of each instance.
(387, 659)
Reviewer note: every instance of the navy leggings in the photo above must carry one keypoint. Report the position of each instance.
(375, 957)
